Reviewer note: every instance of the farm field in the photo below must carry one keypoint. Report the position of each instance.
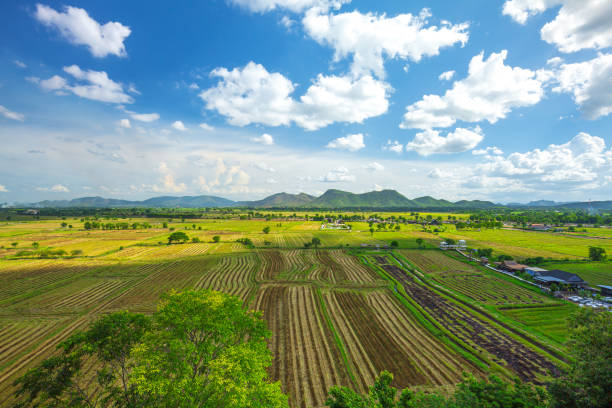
(530, 243)
(334, 313)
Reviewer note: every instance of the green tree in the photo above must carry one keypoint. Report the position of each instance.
(178, 236)
(205, 350)
(266, 230)
(588, 381)
(216, 238)
(315, 242)
(61, 381)
(597, 254)
(419, 242)
(35, 245)
(14, 244)
(371, 232)
(394, 244)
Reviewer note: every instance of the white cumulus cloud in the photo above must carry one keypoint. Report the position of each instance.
(394, 146)
(3, 189)
(352, 143)
(491, 150)
(167, 183)
(9, 114)
(77, 27)
(369, 38)
(590, 83)
(579, 24)
(489, 92)
(374, 166)
(178, 125)
(253, 95)
(339, 174)
(206, 127)
(125, 123)
(296, 6)
(265, 139)
(57, 188)
(144, 117)
(446, 76)
(430, 141)
(582, 161)
(95, 85)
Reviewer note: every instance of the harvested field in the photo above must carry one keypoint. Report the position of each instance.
(234, 275)
(473, 330)
(380, 335)
(306, 358)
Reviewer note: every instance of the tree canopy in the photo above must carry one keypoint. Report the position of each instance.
(200, 349)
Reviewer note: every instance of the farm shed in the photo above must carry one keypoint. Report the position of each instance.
(559, 277)
(532, 270)
(512, 266)
(605, 290)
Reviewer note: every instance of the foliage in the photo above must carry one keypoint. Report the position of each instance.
(394, 244)
(205, 350)
(589, 379)
(266, 230)
(59, 381)
(178, 236)
(246, 242)
(484, 252)
(200, 349)
(597, 254)
(216, 238)
(419, 242)
(470, 393)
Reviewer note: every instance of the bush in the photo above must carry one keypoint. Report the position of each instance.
(178, 236)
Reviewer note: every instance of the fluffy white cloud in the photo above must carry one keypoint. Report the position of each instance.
(339, 174)
(352, 143)
(76, 26)
(20, 64)
(206, 127)
(490, 91)
(54, 83)
(374, 166)
(296, 6)
(223, 178)
(584, 159)
(369, 38)
(446, 76)
(265, 167)
(590, 84)
(167, 184)
(580, 24)
(125, 123)
(58, 188)
(265, 139)
(3, 189)
(144, 117)
(394, 146)
(95, 85)
(491, 150)
(9, 114)
(178, 125)
(430, 141)
(436, 173)
(254, 95)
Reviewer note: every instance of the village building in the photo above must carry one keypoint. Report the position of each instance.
(512, 266)
(560, 277)
(605, 290)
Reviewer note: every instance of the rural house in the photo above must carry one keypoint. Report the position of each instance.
(512, 266)
(559, 277)
(605, 290)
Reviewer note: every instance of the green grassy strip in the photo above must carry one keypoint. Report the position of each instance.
(538, 344)
(336, 337)
(430, 324)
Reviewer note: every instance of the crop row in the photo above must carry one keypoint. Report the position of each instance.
(305, 358)
(471, 329)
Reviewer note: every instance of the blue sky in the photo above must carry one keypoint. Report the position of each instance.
(500, 100)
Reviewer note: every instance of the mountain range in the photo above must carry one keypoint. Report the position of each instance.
(330, 199)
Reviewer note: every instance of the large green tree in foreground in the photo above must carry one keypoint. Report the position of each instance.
(200, 349)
